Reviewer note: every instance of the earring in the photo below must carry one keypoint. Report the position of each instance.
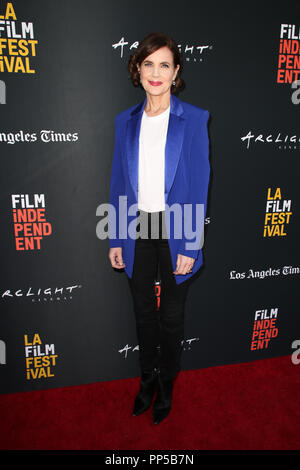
(174, 83)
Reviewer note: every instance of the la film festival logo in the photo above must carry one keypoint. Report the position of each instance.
(278, 214)
(264, 328)
(17, 42)
(30, 223)
(40, 359)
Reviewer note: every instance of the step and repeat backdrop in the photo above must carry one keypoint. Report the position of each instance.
(66, 316)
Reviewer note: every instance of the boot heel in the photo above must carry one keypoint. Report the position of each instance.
(146, 393)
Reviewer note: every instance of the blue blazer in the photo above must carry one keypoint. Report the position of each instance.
(187, 172)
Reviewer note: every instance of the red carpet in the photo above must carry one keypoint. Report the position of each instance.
(247, 406)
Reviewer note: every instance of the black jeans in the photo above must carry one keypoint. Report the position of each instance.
(160, 332)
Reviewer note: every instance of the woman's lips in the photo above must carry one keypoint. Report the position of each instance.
(155, 83)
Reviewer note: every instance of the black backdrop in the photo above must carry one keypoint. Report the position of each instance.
(61, 300)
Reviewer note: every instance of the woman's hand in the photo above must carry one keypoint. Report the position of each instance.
(184, 264)
(115, 256)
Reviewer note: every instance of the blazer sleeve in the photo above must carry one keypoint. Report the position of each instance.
(117, 188)
(194, 215)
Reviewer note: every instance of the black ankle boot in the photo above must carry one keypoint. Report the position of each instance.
(162, 404)
(146, 393)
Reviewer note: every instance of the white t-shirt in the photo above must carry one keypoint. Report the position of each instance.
(151, 179)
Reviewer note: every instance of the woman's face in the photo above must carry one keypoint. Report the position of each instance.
(157, 71)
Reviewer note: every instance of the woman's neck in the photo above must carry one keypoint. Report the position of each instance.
(157, 104)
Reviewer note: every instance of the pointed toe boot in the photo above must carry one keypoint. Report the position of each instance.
(163, 400)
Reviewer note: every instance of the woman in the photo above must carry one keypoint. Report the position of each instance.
(160, 172)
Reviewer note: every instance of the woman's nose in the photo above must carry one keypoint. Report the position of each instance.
(155, 72)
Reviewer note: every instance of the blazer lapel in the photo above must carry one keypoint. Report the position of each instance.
(132, 145)
(174, 142)
(173, 146)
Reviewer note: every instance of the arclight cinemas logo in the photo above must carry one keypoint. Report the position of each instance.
(186, 345)
(189, 52)
(278, 140)
(42, 294)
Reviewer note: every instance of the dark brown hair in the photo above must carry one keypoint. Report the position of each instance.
(151, 43)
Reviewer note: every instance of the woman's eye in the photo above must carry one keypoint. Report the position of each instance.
(163, 65)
